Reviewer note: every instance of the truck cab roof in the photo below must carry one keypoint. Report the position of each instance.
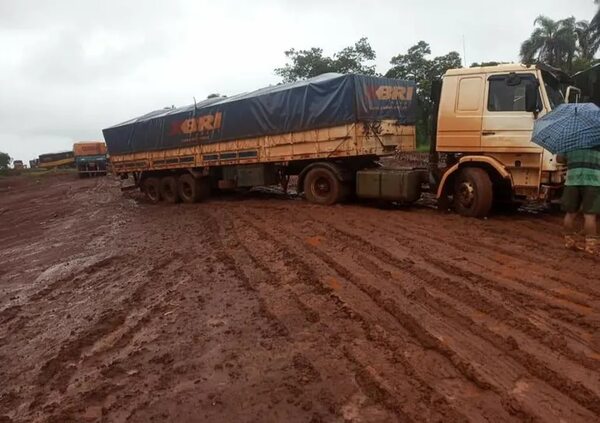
(511, 67)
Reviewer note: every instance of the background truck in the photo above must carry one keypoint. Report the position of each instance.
(62, 160)
(322, 130)
(18, 164)
(90, 158)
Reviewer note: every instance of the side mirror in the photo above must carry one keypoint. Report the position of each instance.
(531, 98)
(573, 95)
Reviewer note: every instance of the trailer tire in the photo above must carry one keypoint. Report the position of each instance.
(169, 190)
(321, 186)
(151, 188)
(473, 192)
(192, 190)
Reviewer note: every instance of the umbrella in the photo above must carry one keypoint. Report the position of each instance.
(568, 127)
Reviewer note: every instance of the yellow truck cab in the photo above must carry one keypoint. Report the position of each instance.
(484, 124)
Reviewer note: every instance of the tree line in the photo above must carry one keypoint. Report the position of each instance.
(566, 44)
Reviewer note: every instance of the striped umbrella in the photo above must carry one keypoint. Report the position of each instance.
(568, 127)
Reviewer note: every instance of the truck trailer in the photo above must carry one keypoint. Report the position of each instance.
(61, 160)
(333, 130)
(323, 130)
(90, 158)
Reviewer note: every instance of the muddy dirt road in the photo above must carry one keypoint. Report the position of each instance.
(254, 308)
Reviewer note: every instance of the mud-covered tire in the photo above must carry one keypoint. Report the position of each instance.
(168, 189)
(321, 186)
(192, 190)
(473, 193)
(151, 188)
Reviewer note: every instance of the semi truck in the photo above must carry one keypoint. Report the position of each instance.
(90, 158)
(483, 123)
(60, 160)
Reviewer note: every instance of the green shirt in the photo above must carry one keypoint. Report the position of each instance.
(583, 168)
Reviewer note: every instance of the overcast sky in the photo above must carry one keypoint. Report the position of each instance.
(69, 68)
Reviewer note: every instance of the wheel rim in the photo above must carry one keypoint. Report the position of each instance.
(186, 190)
(466, 194)
(322, 187)
(152, 192)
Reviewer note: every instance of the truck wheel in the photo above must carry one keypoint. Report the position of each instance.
(473, 192)
(192, 190)
(151, 187)
(168, 189)
(321, 186)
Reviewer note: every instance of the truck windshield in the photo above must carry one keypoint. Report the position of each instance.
(552, 86)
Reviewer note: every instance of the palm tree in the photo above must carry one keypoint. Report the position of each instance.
(588, 40)
(552, 42)
(594, 25)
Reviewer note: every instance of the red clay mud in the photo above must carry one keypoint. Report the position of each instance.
(258, 307)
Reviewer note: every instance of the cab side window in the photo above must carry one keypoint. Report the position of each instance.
(507, 94)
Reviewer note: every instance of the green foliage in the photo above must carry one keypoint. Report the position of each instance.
(551, 42)
(417, 66)
(5, 160)
(309, 63)
(581, 64)
(566, 43)
(588, 40)
(483, 64)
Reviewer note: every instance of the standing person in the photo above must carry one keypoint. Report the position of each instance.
(582, 194)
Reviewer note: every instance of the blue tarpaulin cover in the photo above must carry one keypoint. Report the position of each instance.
(326, 100)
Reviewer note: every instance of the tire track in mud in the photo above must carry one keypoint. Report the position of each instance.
(334, 302)
(79, 351)
(522, 233)
(529, 257)
(506, 315)
(478, 301)
(474, 246)
(276, 300)
(419, 334)
(576, 391)
(417, 237)
(560, 318)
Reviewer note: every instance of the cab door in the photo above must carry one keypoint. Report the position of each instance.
(506, 125)
(507, 128)
(460, 113)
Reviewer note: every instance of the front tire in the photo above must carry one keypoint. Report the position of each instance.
(321, 186)
(473, 193)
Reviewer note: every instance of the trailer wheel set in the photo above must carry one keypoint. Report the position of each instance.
(175, 188)
(471, 188)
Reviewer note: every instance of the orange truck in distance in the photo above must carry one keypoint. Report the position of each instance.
(90, 158)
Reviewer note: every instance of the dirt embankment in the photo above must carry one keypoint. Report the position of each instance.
(251, 308)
